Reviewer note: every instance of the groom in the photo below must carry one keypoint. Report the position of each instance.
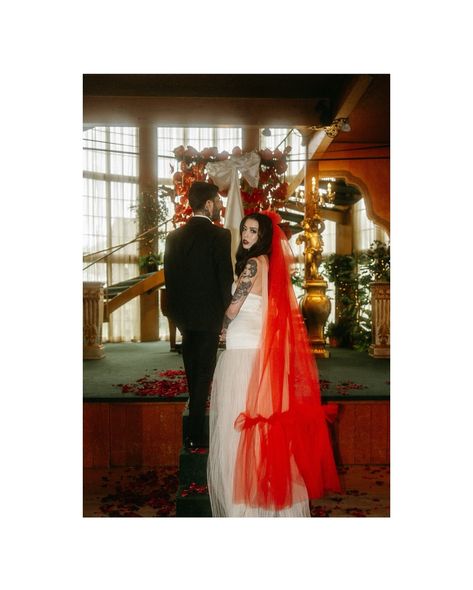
(198, 274)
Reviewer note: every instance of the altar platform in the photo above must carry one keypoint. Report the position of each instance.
(123, 429)
(127, 362)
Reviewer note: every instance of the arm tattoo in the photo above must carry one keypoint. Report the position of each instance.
(245, 284)
(226, 322)
(250, 269)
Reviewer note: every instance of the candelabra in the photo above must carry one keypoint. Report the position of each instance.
(315, 305)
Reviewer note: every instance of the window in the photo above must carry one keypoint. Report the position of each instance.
(110, 190)
(365, 232)
(169, 138)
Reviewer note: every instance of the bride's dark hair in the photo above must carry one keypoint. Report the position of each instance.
(262, 245)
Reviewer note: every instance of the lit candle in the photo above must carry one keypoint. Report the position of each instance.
(329, 187)
(313, 185)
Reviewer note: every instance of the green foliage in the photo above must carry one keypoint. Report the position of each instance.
(352, 275)
(151, 261)
(297, 278)
(377, 261)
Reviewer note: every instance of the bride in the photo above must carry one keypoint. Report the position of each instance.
(269, 449)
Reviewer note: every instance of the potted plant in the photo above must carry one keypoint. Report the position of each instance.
(377, 260)
(338, 333)
(150, 262)
(352, 328)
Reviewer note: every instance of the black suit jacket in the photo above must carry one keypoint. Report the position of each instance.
(198, 273)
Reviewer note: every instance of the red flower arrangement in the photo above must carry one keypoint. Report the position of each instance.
(272, 190)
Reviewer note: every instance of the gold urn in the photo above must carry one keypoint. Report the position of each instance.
(315, 309)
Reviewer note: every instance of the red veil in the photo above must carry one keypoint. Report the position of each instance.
(284, 453)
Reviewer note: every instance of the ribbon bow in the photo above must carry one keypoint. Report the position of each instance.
(225, 175)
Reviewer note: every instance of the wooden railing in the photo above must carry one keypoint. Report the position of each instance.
(147, 285)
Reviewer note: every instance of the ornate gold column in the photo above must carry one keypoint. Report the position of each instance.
(92, 320)
(315, 305)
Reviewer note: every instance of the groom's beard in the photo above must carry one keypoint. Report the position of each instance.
(214, 216)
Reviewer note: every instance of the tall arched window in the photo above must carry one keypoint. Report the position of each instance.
(365, 231)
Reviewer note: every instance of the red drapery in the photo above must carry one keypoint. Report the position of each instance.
(284, 452)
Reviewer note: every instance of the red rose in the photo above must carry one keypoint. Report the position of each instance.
(191, 152)
(264, 176)
(223, 155)
(287, 149)
(177, 177)
(277, 154)
(281, 166)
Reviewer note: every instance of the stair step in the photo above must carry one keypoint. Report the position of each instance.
(185, 425)
(193, 468)
(118, 288)
(194, 505)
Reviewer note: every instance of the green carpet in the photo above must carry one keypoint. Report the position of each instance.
(347, 374)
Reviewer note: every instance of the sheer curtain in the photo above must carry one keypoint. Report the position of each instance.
(364, 230)
(110, 191)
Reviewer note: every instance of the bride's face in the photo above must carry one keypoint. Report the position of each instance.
(249, 234)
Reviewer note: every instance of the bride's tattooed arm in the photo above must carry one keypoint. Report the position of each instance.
(243, 288)
(246, 280)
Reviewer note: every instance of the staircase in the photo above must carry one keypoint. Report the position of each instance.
(120, 293)
(192, 496)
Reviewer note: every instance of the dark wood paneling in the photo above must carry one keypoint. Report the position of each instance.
(132, 434)
(96, 435)
(345, 428)
(362, 433)
(150, 434)
(126, 434)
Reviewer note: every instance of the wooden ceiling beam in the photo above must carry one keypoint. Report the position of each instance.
(200, 112)
(319, 142)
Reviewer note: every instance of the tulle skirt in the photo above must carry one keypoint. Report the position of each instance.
(228, 399)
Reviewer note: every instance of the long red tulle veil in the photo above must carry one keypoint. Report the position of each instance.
(284, 453)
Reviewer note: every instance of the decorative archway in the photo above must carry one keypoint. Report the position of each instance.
(368, 189)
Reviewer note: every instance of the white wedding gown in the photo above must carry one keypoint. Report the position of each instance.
(228, 400)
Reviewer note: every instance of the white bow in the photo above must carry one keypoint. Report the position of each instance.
(225, 174)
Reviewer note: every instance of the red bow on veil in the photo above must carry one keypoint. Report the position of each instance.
(284, 453)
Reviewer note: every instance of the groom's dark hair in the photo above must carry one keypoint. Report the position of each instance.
(199, 193)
